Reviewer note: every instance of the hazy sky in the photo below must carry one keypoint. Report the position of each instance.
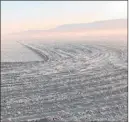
(18, 16)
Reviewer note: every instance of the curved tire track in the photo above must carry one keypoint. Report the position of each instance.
(84, 82)
(38, 52)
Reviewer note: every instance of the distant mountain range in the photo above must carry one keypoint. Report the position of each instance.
(100, 30)
(106, 24)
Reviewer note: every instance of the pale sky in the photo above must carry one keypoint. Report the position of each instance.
(17, 16)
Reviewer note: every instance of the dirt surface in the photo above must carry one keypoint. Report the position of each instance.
(72, 82)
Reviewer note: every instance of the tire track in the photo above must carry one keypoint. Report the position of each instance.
(77, 82)
(38, 52)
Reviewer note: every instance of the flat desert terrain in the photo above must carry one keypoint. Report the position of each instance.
(77, 82)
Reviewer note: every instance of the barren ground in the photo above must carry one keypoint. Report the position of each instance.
(72, 82)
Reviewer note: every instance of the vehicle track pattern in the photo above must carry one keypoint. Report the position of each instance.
(74, 82)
